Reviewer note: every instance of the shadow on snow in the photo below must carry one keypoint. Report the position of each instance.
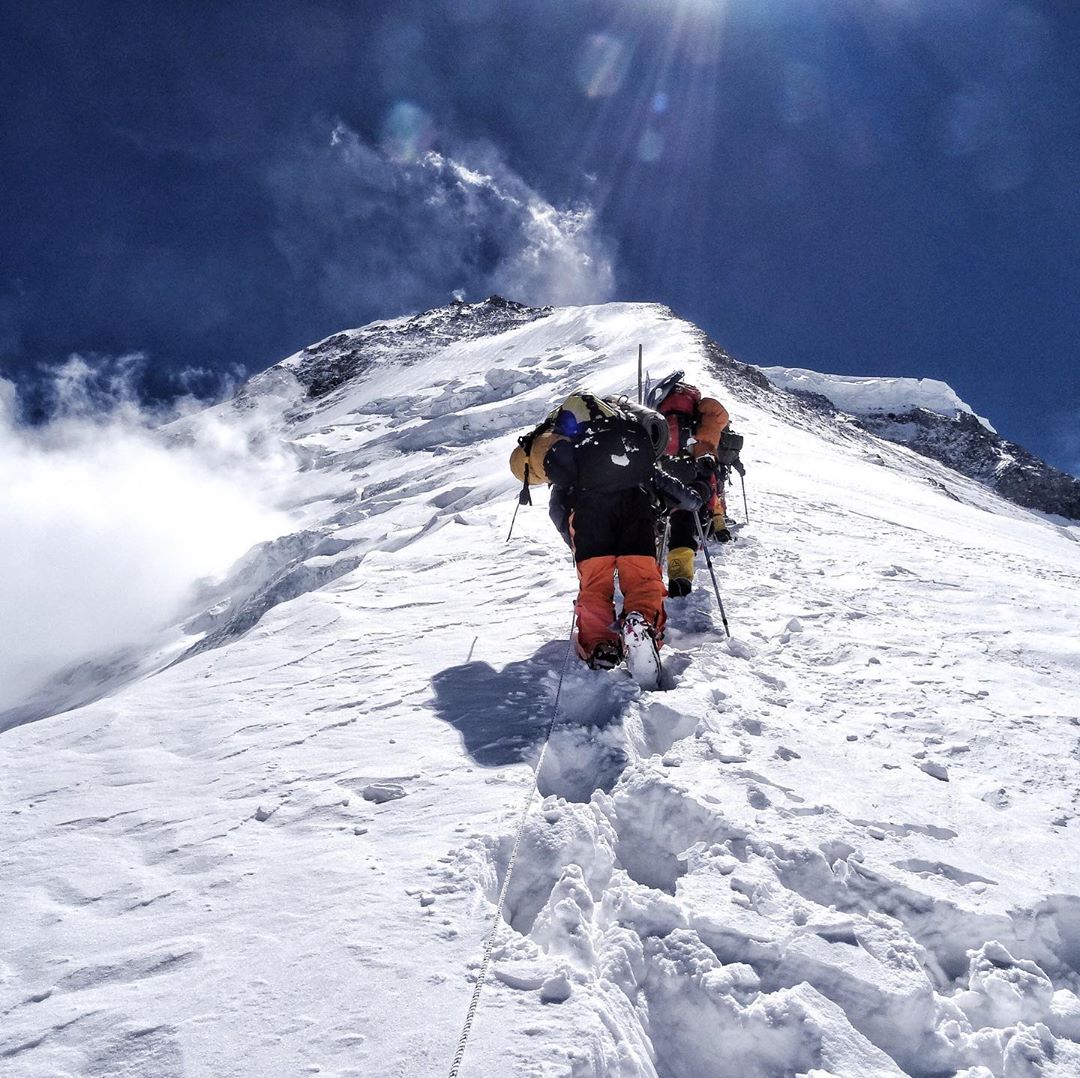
(503, 715)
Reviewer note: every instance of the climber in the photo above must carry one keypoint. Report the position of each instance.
(698, 449)
(600, 457)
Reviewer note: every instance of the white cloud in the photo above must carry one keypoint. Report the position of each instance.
(557, 259)
(386, 233)
(106, 524)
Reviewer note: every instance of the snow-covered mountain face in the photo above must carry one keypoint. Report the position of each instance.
(842, 842)
(928, 416)
(874, 396)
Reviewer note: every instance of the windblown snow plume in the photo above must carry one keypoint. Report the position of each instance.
(106, 524)
(398, 225)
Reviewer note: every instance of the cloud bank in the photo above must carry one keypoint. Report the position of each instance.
(394, 226)
(106, 524)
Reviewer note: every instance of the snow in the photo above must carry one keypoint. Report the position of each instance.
(861, 395)
(280, 855)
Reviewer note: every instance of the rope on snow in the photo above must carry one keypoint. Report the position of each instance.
(489, 944)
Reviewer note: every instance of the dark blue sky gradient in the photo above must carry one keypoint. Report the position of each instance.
(856, 186)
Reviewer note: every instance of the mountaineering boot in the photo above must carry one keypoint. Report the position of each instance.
(605, 656)
(680, 567)
(720, 529)
(639, 647)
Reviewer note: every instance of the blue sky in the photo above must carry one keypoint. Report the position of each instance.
(857, 186)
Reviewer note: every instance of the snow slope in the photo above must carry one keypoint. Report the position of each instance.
(862, 395)
(841, 843)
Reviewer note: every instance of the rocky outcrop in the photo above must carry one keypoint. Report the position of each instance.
(321, 368)
(965, 445)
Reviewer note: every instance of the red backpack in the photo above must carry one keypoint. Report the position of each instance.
(680, 407)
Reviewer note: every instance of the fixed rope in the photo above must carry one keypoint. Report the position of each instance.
(489, 944)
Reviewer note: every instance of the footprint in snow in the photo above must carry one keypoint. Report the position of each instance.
(940, 868)
(380, 792)
(768, 679)
(757, 798)
(739, 649)
(935, 770)
(727, 752)
(942, 834)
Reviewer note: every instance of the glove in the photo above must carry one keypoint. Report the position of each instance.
(705, 466)
(703, 489)
(738, 465)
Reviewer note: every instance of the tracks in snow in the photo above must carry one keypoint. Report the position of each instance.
(705, 883)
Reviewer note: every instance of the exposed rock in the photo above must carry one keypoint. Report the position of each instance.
(321, 368)
(965, 445)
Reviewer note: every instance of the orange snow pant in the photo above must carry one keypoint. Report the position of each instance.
(642, 587)
(615, 533)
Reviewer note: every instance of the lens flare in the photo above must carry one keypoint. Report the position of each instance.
(603, 65)
(650, 146)
(407, 132)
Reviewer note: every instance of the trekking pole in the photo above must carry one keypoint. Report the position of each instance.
(640, 397)
(517, 506)
(524, 498)
(746, 512)
(661, 552)
(708, 562)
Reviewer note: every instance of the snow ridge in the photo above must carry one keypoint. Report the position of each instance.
(861, 395)
(324, 366)
(840, 843)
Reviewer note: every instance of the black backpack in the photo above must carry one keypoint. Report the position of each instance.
(727, 452)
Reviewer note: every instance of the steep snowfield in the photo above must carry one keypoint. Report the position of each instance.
(874, 396)
(843, 842)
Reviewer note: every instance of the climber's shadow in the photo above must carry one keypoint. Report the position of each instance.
(502, 714)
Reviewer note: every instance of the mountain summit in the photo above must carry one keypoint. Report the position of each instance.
(269, 842)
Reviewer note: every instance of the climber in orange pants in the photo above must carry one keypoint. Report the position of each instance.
(601, 462)
(615, 535)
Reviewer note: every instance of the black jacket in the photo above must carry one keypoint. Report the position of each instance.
(588, 467)
(605, 456)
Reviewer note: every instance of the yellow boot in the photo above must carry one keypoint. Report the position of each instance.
(680, 571)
